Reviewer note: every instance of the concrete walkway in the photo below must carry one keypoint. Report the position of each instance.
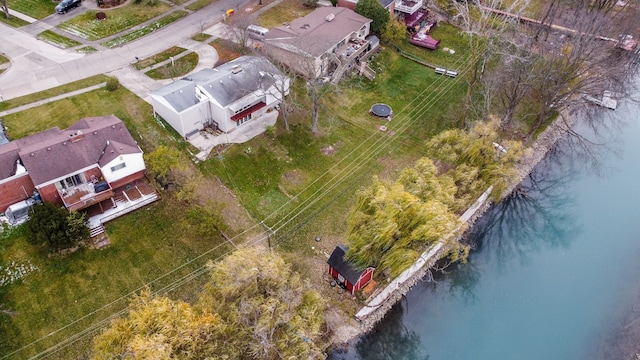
(51, 99)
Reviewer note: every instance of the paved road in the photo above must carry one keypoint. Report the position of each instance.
(37, 66)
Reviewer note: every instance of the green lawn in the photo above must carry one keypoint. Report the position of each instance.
(37, 9)
(13, 21)
(286, 11)
(145, 244)
(180, 67)
(159, 57)
(28, 99)
(57, 39)
(301, 184)
(119, 19)
(275, 170)
(147, 29)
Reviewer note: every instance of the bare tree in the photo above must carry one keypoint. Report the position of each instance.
(237, 31)
(484, 33)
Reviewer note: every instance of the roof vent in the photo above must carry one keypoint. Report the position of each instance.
(330, 17)
(48, 149)
(236, 69)
(306, 26)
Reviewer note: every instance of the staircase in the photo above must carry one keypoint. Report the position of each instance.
(95, 231)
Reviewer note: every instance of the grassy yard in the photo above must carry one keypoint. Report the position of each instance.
(302, 185)
(159, 57)
(13, 21)
(147, 29)
(119, 19)
(28, 99)
(180, 67)
(57, 39)
(286, 11)
(37, 9)
(144, 245)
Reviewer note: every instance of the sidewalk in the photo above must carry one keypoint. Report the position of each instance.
(51, 99)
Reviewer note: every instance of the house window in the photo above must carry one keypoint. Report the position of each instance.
(71, 181)
(118, 167)
(243, 120)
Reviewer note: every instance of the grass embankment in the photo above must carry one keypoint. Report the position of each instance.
(144, 245)
(37, 9)
(177, 68)
(145, 30)
(159, 57)
(284, 12)
(118, 20)
(301, 184)
(58, 40)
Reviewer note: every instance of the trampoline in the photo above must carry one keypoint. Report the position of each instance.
(381, 110)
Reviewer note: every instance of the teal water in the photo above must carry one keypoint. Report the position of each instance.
(554, 274)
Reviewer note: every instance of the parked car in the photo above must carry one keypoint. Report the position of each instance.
(66, 5)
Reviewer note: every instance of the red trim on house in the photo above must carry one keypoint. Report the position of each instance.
(248, 111)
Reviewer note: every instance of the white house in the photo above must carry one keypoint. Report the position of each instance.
(223, 98)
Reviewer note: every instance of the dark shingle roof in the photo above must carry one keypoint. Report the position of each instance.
(8, 158)
(226, 83)
(315, 35)
(55, 153)
(336, 261)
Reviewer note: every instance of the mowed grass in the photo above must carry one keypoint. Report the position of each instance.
(22, 130)
(145, 30)
(37, 9)
(119, 19)
(96, 283)
(179, 67)
(273, 176)
(284, 12)
(159, 57)
(57, 39)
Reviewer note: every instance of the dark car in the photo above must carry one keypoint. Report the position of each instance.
(66, 5)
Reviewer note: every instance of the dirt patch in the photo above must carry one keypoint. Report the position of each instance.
(328, 150)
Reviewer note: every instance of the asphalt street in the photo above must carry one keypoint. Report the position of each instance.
(37, 65)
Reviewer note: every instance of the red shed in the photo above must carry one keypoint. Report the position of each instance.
(345, 274)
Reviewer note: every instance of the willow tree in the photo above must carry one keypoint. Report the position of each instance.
(393, 224)
(253, 307)
(476, 159)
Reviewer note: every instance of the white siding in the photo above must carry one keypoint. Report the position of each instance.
(133, 164)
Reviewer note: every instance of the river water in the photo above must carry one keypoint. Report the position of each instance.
(554, 274)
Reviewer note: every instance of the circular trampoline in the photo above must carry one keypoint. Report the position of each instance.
(381, 110)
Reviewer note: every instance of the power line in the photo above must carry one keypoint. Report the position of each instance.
(358, 162)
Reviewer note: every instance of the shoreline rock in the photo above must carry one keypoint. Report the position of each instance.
(350, 329)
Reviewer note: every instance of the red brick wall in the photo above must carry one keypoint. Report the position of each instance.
(50, 193)
(12, 191)
(124, 181)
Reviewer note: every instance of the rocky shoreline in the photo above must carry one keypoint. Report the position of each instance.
(350, 329)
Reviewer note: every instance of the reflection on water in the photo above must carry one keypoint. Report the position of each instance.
(546, 275)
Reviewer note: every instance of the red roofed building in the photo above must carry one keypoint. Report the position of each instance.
(344, 272)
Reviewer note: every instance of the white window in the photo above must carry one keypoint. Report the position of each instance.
(118, 167)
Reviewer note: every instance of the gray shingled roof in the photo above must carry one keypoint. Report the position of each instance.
(315, 35)
(223, 83)
(180, 94)
(8, 158)
(53, 153)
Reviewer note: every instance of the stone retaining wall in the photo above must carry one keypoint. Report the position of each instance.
(378, 307)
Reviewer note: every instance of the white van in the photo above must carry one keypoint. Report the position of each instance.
(257, 31)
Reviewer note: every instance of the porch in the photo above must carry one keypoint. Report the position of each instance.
(84, 195)
(125, 200)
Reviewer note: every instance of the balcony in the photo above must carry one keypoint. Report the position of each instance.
(407, 6)
(83, 195)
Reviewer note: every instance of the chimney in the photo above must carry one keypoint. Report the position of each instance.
(76, 136)
(330, 17)
(236, 69)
